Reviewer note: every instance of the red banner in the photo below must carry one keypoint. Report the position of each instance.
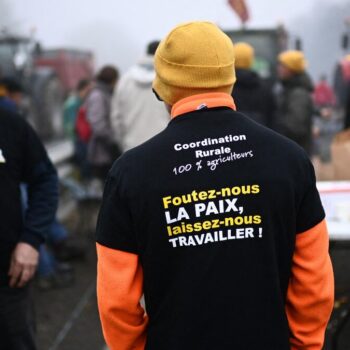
(240, 7)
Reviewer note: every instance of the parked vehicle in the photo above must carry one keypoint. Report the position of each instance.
(47, 77)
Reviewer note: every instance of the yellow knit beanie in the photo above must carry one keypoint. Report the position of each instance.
(244, 55)
(294, 60)
(195, 58)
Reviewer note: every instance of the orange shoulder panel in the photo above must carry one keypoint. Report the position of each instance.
(119, 290)
(310, 293)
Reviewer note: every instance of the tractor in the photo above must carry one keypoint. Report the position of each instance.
(47, 77)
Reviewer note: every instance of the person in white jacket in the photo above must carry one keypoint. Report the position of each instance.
(136, 115)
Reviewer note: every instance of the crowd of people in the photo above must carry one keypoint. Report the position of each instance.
(107, 116)
(110, 116)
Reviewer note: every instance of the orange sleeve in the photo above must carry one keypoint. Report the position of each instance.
(310, 293)
(119, 290)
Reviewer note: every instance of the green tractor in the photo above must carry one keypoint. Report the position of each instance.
(268, 43)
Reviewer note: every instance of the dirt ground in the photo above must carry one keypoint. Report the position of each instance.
(340, 255)
(67, 318)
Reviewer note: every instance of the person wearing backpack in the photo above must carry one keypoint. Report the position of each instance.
(102, 149)
(71, 107)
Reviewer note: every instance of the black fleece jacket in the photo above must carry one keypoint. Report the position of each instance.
(23, 159)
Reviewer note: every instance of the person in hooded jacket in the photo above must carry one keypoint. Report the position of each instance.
(136, 115)
(252, 96)
(295, 105)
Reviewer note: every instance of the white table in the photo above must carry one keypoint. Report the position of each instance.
(335, 196)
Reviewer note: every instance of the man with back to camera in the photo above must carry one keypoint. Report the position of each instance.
(217, 220)
(295, 105)
(252, 95)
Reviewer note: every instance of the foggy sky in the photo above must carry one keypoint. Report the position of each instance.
(117, 31)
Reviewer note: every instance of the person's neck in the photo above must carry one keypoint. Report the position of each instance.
(202, 101)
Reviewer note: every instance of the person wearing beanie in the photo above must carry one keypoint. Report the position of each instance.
(10, 94)
(210, 70)
(293, 60)
(295, 105)
(251, 94)
(244, 55)
(228, 252)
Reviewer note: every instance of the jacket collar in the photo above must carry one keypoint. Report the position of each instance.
(202, 101)
(301, 80)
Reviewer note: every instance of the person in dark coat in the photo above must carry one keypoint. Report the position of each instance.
(169, 228)
(251, 94)
(295, 105)
(102, 150)
(23, 160)
(347, 109)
